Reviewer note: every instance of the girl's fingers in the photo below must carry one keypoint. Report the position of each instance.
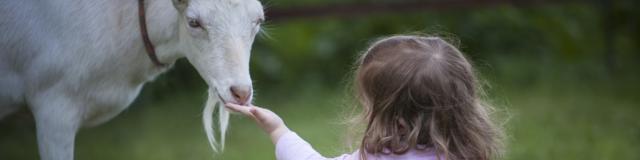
(256, 112)
(260, 113)
(237, 108)
(244, 110)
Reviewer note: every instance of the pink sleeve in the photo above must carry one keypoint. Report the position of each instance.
(291, 147)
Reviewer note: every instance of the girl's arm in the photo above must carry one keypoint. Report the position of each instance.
(266, 119)
(289, 146)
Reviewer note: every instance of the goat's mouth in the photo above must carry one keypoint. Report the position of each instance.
(224, 102)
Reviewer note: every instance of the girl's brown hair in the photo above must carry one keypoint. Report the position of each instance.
(420, 92)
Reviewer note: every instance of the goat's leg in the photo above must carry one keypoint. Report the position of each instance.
(57, 123)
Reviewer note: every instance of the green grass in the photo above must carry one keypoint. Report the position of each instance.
(555, 120)
(573, 122)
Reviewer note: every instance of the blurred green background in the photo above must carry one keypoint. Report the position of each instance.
(562, 74)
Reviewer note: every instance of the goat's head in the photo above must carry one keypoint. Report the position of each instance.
(216, 37)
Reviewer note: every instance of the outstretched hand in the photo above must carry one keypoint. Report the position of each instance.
(270, 122)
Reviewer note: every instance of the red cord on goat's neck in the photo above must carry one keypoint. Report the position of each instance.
(151, 52)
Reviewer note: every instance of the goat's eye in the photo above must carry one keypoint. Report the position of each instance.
(194, 23)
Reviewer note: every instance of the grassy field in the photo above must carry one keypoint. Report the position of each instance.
(551, 120)
(572, 122)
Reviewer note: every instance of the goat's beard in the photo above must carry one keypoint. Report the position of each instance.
(207, 120)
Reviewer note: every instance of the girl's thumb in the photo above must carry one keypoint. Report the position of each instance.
(257, 113)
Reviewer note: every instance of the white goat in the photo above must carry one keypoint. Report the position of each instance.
(79, 63)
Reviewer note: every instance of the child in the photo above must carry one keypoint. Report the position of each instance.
(420, 101)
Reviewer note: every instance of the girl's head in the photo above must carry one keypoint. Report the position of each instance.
(420, 92)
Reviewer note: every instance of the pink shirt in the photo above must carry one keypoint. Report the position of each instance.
(291, 147)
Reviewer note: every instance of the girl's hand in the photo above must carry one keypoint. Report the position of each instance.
(266, 119)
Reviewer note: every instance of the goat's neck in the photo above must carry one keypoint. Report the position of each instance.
(162, 23)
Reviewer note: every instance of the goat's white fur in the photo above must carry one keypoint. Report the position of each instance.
(207, 121)
(80, 63)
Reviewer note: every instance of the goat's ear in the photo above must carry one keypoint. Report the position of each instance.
(180, 4)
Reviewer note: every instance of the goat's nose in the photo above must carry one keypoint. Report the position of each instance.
(241, 94)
